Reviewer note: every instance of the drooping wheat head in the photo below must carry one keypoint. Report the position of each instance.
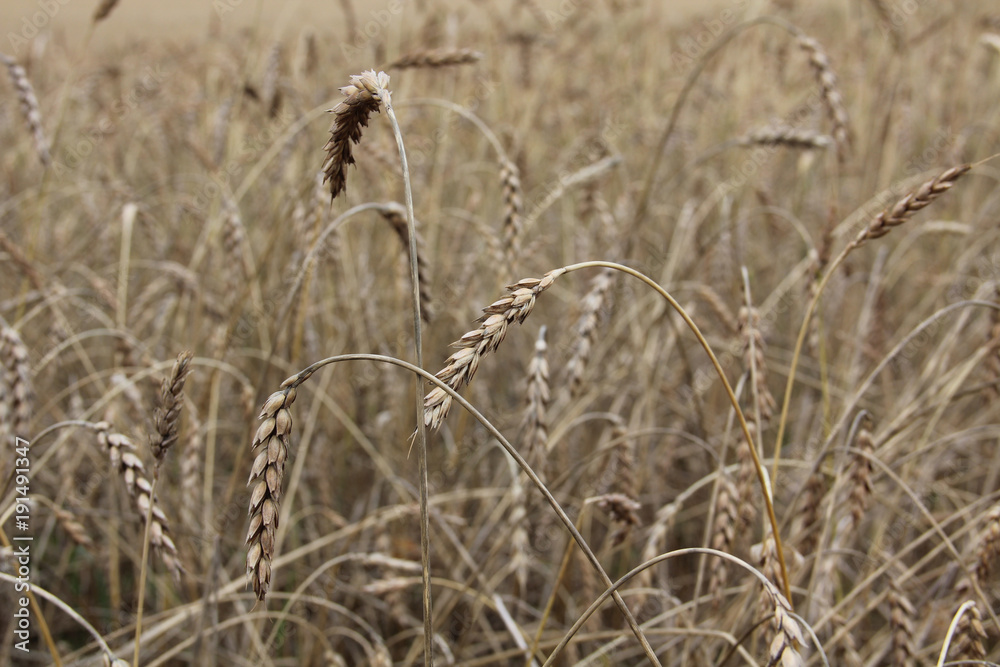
(363, 96)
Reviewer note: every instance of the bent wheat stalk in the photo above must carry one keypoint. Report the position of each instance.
(516, 306)
(275, 402)
(878, 227)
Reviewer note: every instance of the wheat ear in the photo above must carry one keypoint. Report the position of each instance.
(914, 201)
(513, 208)
(169, 412)
(834, 101)
(785, 135)
(15, 387)
(121, 451)
(436, 58)
(534, 424)
(395, 215)
(462, 365)
(271, 443)
(363, 96)
(29, 107)
(586, 329)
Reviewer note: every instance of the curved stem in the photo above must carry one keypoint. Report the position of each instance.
(41, 592)
(642, 207)
(762, 477)
(304, 375)
(636, 570)
(797, 353)
(952, 629)
(421, 434)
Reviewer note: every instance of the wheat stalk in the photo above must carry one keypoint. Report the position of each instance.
(363, 96)
(29, 107)
(474, 345)
(436, 58)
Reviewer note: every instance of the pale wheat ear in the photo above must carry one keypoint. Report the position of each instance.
(462, 365)
(29, 107)
(124, 461)
(270, 443)
(363, 96)
(832, 97)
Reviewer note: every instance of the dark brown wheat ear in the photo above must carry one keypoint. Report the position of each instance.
(363, 96)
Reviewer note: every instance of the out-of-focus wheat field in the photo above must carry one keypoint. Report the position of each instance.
(720, 283)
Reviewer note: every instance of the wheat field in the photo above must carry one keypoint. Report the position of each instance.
(516, 333)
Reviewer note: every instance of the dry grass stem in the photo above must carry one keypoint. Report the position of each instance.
(363, 96)
(474, 345)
